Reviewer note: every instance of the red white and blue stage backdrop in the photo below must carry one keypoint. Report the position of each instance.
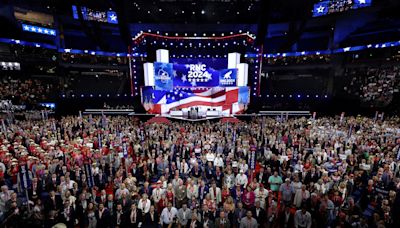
(232, 99)
(185, 83)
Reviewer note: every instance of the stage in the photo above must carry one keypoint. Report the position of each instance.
(192, 119)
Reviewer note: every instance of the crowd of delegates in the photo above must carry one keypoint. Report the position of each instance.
(374, 85)
(298, 60)
(120, 172)
(25, 91)
(122, 106)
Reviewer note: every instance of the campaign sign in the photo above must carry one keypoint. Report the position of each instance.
(25, 179)
(252, 158)
(244, 95)
(227, 77)
(195, 75)
(163, 73)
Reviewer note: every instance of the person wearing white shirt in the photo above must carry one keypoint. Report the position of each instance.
(229, 179)
(241, 179)
(192, 190)
(210, 156)
(243, 166)
(215, 193)
(218, 161)
(157, 193)
(183, 167)
(5, 196)
(301, 196)
(261, 195)
(144, 204)
(296, 184)
(302, 219)
(168, 215)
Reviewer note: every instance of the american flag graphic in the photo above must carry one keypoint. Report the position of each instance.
(233, 99)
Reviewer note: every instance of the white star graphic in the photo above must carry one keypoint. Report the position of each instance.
(52, 32)
(113, 17)
(33, 29)
(46, 31)
(40, 30)
(187, 65)
(173, 98)
(208, 76)
(26, 27)
(184, 78)
(193, 83)
(174, 73)
(320, 9)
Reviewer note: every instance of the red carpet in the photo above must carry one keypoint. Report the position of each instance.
(158, 120)
(230, 120)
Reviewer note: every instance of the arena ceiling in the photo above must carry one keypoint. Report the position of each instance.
(188, 11)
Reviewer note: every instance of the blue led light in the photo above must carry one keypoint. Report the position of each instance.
(37, 29)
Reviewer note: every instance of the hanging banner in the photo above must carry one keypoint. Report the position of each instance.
(227, 77)
(163, 73)
(25, 180)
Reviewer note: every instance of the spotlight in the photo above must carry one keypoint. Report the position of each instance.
(203, 12)
(298, 96)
